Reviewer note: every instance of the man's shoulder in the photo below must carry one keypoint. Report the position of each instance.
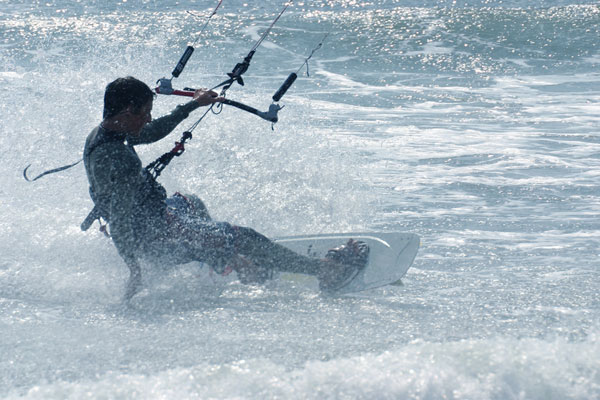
(102, 140)
(91, 136)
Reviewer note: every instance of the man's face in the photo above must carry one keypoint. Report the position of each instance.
(137, 120)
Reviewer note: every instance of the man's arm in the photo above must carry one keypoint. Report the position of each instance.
(134, 284)
(117, 173)
(161, 127)
(122, 227)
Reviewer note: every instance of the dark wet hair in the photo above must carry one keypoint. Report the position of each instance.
(124, 92)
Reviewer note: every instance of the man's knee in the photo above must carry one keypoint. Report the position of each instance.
(244, 233)
(247, 240)
(195, 205)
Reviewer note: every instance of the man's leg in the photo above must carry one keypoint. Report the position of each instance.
(271, 255)
(337, 269)
(252, 254)
(219, 243)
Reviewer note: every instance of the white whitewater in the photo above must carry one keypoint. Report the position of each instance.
(474, 126)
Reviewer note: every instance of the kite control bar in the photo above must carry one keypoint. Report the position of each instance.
(165, 87)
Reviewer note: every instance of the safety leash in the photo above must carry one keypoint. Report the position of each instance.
(51, 171)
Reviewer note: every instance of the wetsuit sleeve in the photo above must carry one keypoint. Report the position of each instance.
(161, 127)
(122, 180)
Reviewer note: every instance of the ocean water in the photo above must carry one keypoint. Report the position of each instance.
(474, 124)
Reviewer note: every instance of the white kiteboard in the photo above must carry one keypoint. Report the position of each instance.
(391, 255)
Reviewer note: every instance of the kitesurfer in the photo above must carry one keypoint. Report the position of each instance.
(145, 224)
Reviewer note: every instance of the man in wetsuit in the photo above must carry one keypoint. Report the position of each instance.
(144, 223)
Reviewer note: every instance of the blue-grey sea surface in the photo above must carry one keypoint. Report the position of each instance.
(474, 124)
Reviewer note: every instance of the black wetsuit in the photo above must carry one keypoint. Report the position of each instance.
(143, 226)
(135, 205)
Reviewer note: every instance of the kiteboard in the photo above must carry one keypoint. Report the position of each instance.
(391, 255)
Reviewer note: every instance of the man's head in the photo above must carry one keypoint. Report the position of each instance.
(130, 98)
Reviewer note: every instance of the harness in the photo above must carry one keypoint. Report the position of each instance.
(97, 213)
(153, 171)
